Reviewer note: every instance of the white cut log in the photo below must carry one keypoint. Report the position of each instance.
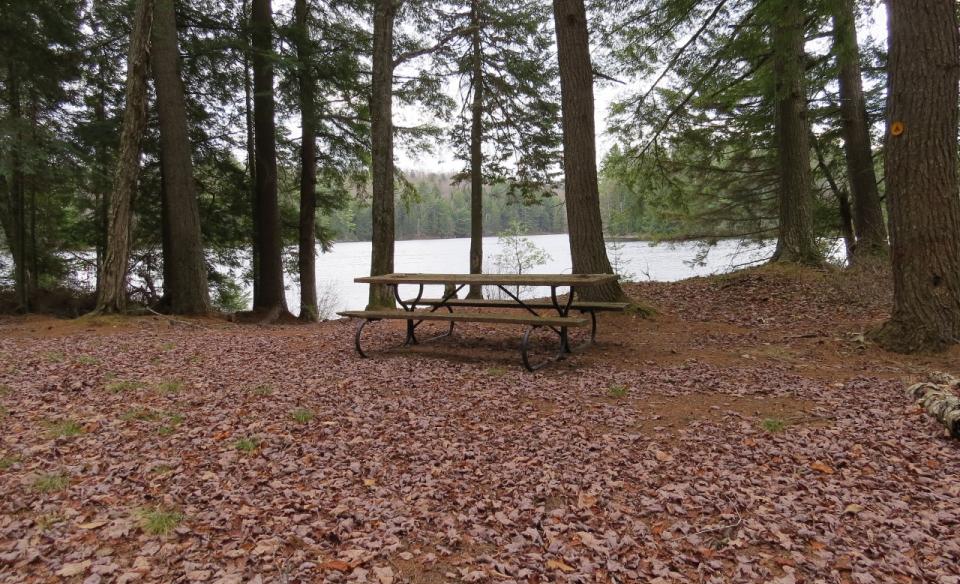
(940, 402)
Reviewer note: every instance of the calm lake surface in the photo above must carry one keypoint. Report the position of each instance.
(644, 261)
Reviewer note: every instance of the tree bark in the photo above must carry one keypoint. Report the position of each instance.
(381, 135)
(17, 226)
(112, 294)
(921, 173)
(587, 249)
(308, 168)
(101, 182)
(871, 232)
(271, 300)
(795, 242)
(251, 154)
(843, 200)
(185, 271)
(476, 154)
(940, 402)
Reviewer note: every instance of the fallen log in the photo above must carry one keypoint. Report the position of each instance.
(939, 401)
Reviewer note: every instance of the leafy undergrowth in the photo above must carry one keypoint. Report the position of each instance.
(745, 434)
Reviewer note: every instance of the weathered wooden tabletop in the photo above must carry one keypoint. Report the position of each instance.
(492, 279)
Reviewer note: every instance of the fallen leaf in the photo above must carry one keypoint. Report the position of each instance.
(853, 509)
(74, 569)
(663, 456)
(559, 565)
(585, 501)
(93, 524)
(384, 575)
(338, 565)
(821, 467)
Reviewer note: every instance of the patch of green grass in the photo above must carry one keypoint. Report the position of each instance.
(64, 429)
(496, 371)
(168, 346)
(141, 414)
(88, 360)
(45, 522)
(301, 415)
(246, 445)
(161, 469)
(617, 391)
(49, 483)
(121, 386)
(262, 390)
(170, 386)
(773, 425)
(641, 310)
(173, 420)
(158, 521)
(8, 461)
(54, 356)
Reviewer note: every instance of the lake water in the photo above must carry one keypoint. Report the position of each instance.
(663, 262)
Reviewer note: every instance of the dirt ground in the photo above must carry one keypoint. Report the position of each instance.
(749, 432)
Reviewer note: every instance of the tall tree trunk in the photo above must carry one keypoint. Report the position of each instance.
(31, 187)
(921, 173)
(17, 235)
(587, 249)
(308, 168)
(271, 299)
(868, 215)
(251, 152)
(843, 200)
(101, 182)
(476, 154)
(112, 294)
(185, 271)
(795, 242)
(381, 135)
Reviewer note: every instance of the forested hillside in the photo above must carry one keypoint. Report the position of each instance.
(440, 207)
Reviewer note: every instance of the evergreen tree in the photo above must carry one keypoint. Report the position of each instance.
(381, 136)
(587, 249)
(184, 266)
(112, 291)
(509, 133)
(270, 299)
(921, 168)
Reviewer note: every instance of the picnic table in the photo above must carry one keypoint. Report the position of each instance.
(552, 313)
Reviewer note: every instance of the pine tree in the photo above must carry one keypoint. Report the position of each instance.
(587, 249)
(184, 266)
(381, 135)
(270, 299)
(871, 233)
(921, 170)
(795, 240)
(112, 292)
(509, 134)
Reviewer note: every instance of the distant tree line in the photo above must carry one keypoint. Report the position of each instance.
(441, 208)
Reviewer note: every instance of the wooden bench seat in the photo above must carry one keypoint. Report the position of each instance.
(559, 324)
(581, 305)
(492, 318)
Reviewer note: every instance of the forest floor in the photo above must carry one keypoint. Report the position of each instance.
(747, 433)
